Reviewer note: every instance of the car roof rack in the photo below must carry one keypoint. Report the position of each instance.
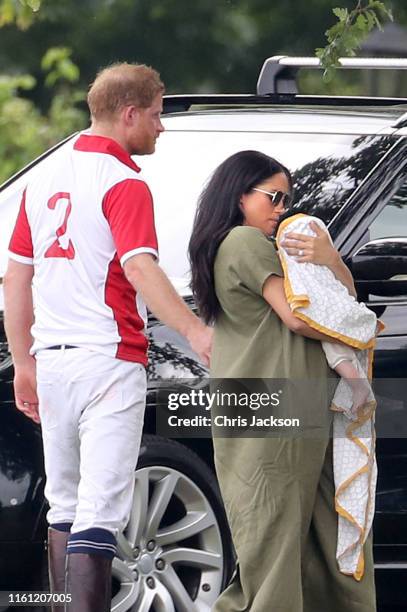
(278, 74)
(179, 103)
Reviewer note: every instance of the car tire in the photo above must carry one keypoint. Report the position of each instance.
(175, 554)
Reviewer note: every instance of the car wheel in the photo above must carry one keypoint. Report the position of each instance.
(175, 555)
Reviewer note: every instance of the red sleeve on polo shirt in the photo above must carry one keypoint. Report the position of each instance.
(128, 208)
(21, 242)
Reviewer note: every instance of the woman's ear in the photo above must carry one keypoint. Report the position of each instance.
(243, 202)
(243, 207)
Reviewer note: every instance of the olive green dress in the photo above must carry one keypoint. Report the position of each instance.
(278, 491)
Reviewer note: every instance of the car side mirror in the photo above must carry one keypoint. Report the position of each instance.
(380, 267)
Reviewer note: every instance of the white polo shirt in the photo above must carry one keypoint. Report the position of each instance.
(81, 218)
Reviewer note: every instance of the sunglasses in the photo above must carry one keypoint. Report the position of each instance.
(276, 197)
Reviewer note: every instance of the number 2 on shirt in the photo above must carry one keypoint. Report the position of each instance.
(55, 250)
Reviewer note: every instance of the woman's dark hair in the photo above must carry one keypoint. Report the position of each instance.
(217, 213)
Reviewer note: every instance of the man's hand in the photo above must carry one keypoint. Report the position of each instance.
(314, 249)
(25, 389)
(200, 338)
(18, 319)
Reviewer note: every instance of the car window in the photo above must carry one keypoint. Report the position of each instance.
(392, 220)
(386, 240)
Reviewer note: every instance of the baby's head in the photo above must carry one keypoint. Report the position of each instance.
(298, 210)
(290, 213)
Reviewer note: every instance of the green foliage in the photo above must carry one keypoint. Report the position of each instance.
(197, 46)
(20, 12)
(346, 36)
(59, 66)
(26, 131)
(21, 125)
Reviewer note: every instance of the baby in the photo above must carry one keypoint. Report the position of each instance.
(317, 297)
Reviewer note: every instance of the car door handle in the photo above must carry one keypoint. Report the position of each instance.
(388, 288)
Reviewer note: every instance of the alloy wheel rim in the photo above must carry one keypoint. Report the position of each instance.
(169, 557)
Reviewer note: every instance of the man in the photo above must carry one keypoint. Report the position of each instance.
(85, 240)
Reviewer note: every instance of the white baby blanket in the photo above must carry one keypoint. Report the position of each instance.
(317, 297)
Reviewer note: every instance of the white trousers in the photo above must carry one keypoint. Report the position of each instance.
(92, 410)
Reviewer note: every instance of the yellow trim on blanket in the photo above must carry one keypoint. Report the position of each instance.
(358, 574)
(345, 485)
(337, 335)
(286, 222)
(299, 301)
(367, 414)
(360, 569)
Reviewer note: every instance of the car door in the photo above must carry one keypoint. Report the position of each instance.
(376, 251)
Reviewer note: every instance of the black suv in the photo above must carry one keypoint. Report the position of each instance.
(348, 157)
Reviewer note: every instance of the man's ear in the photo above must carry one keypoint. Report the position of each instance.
(130, 114)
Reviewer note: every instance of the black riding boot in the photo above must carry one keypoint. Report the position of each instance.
(88, 583)
(57, 541)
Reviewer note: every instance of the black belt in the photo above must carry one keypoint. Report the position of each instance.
(57, 347)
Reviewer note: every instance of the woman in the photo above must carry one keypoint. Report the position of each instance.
(278, 492)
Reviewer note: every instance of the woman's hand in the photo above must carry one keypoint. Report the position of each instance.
(313, 249)
(319, 250)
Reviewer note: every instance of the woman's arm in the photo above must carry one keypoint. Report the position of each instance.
(319, 250)
(274, 294)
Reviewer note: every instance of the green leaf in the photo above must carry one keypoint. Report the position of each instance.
(370, 16)
(341, 13)
(376, 20)
(53, 56)
(381, 8)
(7, 12)
(34, 5)
(362, 23)
(346, 36)
(19, 12)
(26, 81)
(24, 18)
(319, 52)
(68, 70)
(336, 31)
(328, 75)
(59, 66)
